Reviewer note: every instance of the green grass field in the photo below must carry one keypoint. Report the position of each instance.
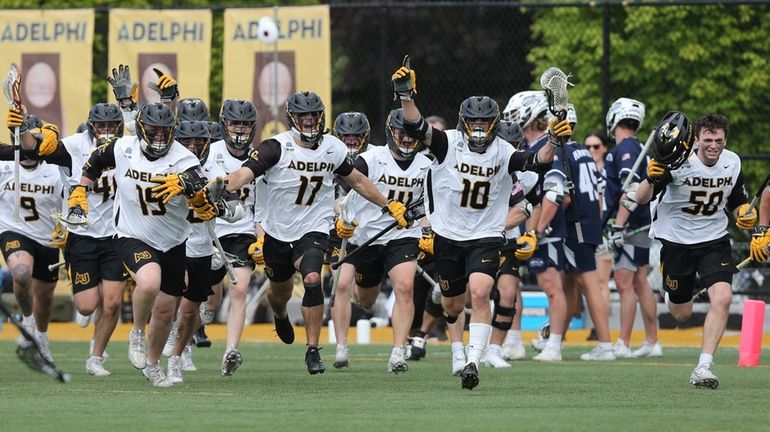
(272, 391)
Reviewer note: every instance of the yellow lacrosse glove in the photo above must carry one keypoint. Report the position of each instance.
(526, 246)
(760, 242)
(746, 217)
(15, 117)
(345, 231)
(255, 250)
(404, 81)
(78, 198)
(558, 131)
(202, 207)
(397, 210)
(426, 242)
(168, 187)
(50, 133)
(165, 86)
(58, 236)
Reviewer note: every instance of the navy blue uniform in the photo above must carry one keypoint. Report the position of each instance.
(618, 165)
(586, 200)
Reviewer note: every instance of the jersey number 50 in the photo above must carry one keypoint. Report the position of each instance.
(706, 208)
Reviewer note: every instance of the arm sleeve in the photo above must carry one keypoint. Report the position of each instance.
(60, 157)
(738, 195)
(345, 168)
(102, 159)
(267, 155)
(361, 166)
(439, 145)
(526, 161)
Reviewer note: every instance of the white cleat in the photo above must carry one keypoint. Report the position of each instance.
(31, 328)
(549, 354)
(95, 367)
(154, 373)
(493, 359)
(538, 344)
(42, 343)
(82, 320)
(341, 357)
(648, 350)
(91, 350)
(137, 353)
(702, 377)
(458, 362)
(397, 362)
(187, 361)
(175, 369)
(173, 335)
(599, 354)
(621, 350)
(512, 351)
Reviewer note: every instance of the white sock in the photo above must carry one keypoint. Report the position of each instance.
(514, 336)
(477, 342)
(41, 335)
(458, 347)
(28, 321)
(605, 345)
(705, 359)
(620, 342)
(554, 341)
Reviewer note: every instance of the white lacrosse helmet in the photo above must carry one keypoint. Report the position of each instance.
(621, 109)
(526, 106)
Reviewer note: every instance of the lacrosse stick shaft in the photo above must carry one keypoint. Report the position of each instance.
(366, 244)
(426, 276)
(262, 290)
(636, 231)
(218, 245)
(16, 174)
(53, 267)
(703, 292)
(336, 277)
(638, 161)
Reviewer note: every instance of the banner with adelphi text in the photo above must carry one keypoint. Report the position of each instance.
(267, 74)
(53, 50)
(175, 41)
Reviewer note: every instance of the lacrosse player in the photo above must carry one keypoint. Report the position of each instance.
(299, 168)
(25, 238)
(466, 205)
(632, 254)
(96, 272)
(694, 196)
(397, 171)
(543, 245)
(352, 128)
(151, 169)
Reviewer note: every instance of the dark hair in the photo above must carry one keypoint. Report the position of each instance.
(711, 122)
(602, 137)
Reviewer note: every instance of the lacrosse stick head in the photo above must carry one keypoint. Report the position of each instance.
(12, 86)
(555, 83)
(346, 207)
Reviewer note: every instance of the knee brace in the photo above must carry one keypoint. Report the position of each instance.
(312, 261)
(314, 296)
(433, 309)
(451, 319)
(505, 312)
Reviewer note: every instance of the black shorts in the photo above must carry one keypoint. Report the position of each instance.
(547, 255)
(579, 257)
(200, 278)
(335, 242)
(456, 260)
(238, 245)
(375, 261)
(91, 260)
(280, 256)
(136, 253)
(42, 256)
(679, 264)
(509, 264)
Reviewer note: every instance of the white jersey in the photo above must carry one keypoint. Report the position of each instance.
(527, 180)
(468, 192)
(300, 195)
(138, 214)
(219, 163)
(100, 199)
(405, 186)
(199, 243)
(260, 197)
(694, 202)
(41, 195)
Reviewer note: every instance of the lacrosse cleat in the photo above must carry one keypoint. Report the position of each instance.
(137, 354)
(702, 377)
(95, 367)
(397, 362)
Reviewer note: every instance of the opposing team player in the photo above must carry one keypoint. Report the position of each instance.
(24, 237)
(695, 194)
(95, 270)
(352, 128)
(151, 170)
(299, 168)
(467, 203)
(398, 171)
(632, 253)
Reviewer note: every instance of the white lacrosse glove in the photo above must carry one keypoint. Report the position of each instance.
(629, 202)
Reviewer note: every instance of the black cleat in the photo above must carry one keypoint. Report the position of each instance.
(313, 361)
(592, 336)
(200, 339)
(284, 329)
(470, 376)
(418, 348)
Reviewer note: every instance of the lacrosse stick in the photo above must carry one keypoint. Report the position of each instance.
(31, 355)
(702, 293)
(12, 92)
(221, 251)
(53, 267)
(756, 197)
(426, 276)
(413, 212)
(555, 83)
(346, 213)
(638, 161)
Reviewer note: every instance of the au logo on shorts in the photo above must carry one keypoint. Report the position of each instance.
(82, 278)
(672, 284)
(336, 252)
(12, 244)
(269, 271)
(138, 256)
(443, 283)
(359, 277)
